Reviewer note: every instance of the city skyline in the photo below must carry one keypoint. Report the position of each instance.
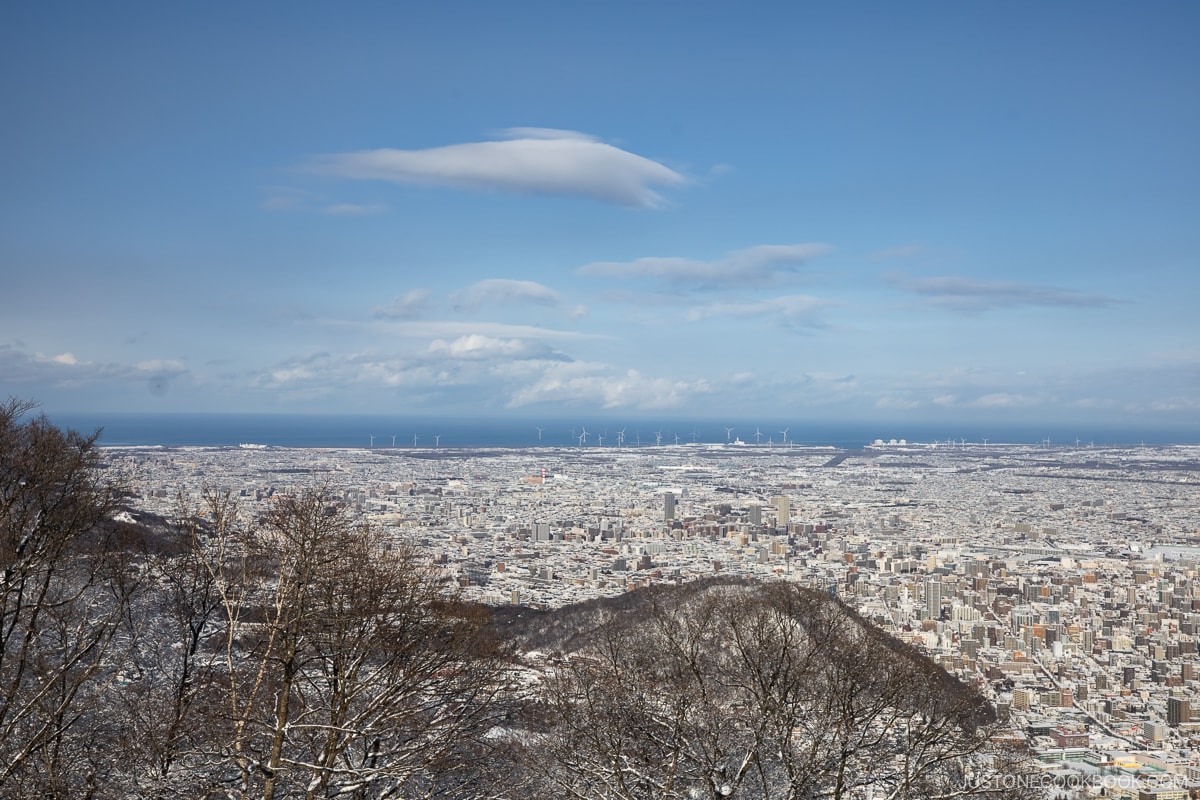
(970, 213)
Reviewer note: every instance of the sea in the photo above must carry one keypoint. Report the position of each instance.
(124, 429)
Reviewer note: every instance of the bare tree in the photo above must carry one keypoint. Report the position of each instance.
(161, 711)
(347, 668)
(64, 588)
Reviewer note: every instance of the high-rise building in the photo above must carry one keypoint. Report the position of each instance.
(1179, 711)
(669, 506)
(783, 511)
(933, 598)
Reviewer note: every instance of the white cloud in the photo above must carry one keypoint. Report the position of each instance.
(757, 265)
(1004, 400)
(962, 294)
(286, 198)
(535, 161)
(354, 209)
(470, 360)
(1094, 403)
(409, 305)
(68, 371)
(279, 377)
(579, 383)
(896, 402)
(795, 309)
(543, 133)
(447, 329)
(162, 366)
(476, 346)
(501, 291)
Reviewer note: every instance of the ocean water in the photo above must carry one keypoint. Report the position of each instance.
(332, 430)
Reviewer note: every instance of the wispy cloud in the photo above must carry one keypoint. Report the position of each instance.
(590, 384)
(409, 305)
(526, 161)
(449, 329)
(510, 373)
(797, 309)
(1004, 400)
(893, 402)
(962, 294)
(759, 265)
(501, 291)
(476, 346)
(66, 370)
(286, 198)
(354, 209)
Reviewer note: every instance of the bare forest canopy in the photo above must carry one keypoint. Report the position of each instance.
(300, 654)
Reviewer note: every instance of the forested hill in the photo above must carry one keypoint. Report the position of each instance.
(740, 688)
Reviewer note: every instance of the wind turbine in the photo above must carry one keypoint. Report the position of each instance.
(757, 435)
(539, 430)
(583, 437)
(677, 440)
(372, 439)
(658, 437)
(414, 440)
(393, 440)
(437, 440)
(784, 432)
(599, 440)
(620, 437)
(728, 434)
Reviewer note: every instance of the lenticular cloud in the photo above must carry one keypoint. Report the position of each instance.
(535, 161)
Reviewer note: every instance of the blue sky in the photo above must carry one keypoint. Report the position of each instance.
(975, 211)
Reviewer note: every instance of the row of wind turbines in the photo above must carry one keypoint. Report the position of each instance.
(437, 439)
(582, 438)
(584, 433)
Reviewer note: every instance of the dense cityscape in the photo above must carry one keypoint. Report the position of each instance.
(1060, 580)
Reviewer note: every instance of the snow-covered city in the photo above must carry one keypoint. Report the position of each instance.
(1060, 580)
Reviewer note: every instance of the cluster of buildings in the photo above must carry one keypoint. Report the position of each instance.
(1063, 581)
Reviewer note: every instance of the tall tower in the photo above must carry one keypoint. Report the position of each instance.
(669, 506)
(933, 598)
(783, 511)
